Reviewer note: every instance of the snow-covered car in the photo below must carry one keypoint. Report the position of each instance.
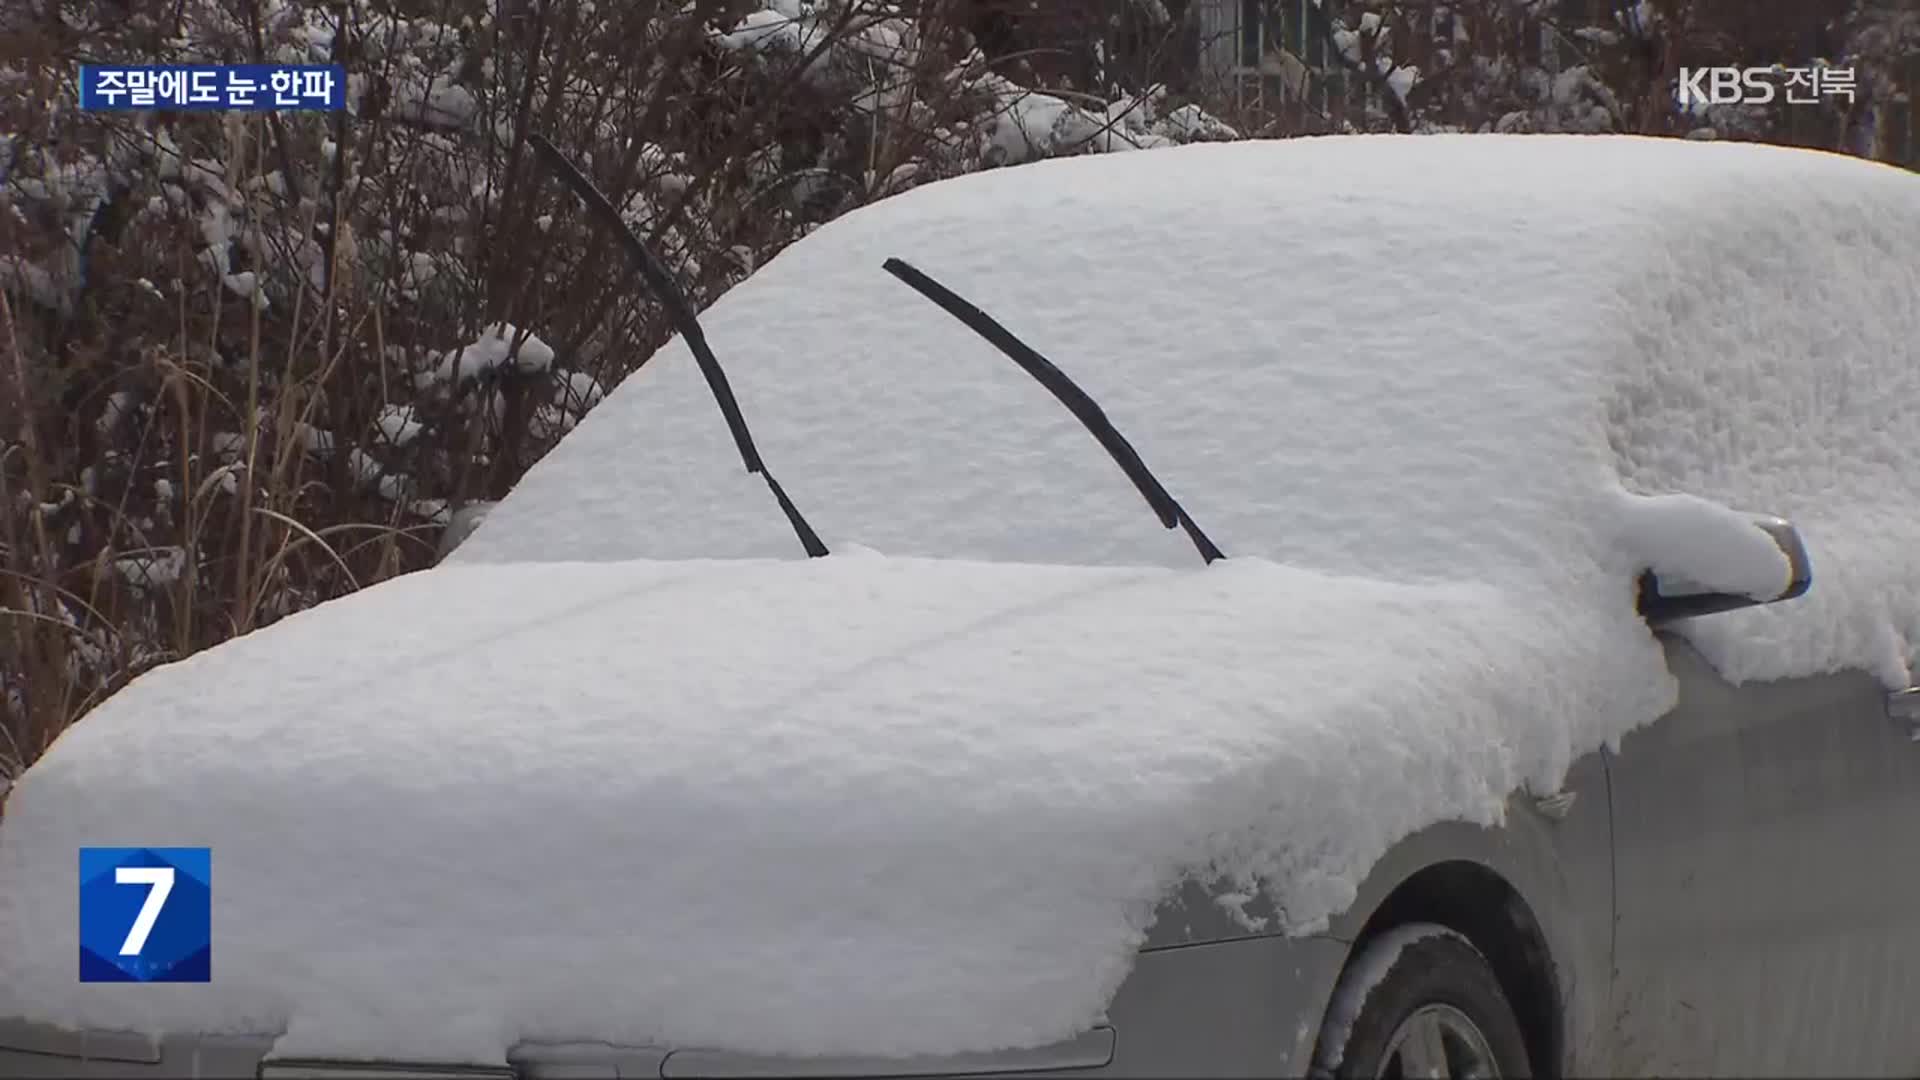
(1499, 737)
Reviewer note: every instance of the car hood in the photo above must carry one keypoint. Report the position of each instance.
(846, 805)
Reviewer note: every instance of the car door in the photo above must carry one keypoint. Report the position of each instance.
(1767, 880)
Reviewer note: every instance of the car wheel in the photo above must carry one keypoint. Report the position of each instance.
(1420, 1001)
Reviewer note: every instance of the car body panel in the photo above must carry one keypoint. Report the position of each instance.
(1559, 862)
(43, 1053)
(1236, 1008)
(1089, 1050)
(1248, 1007)
(1729, 892)
(1241, 1008)
(1769, 898)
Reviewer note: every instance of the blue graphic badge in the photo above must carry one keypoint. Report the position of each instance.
(146, 914)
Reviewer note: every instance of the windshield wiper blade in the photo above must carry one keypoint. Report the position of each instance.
(1069, 394)
(680, 311)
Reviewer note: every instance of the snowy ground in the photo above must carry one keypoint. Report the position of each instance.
(1439, 399)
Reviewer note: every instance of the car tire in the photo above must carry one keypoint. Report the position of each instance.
(1420, 1000)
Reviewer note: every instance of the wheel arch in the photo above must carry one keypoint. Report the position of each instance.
(1534, 894)
(1480, 905)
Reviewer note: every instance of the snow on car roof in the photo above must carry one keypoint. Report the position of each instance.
(1431, 359)
(1419, 360)
(1439, 399)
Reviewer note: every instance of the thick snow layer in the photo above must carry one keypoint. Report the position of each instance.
(942, 823)
(1445, 358)
(1440, 399)
(1699, 546)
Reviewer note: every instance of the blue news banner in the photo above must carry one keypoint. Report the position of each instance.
(146, 914)
(214, 87)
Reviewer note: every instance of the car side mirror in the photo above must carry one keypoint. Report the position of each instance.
(1664, 602)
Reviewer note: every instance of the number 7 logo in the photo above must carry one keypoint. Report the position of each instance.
(158, 932)
(160, 880)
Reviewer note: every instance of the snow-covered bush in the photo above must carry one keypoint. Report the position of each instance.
(1593, 66)
(255, 361)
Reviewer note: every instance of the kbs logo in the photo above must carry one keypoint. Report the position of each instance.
(146, 914)
(1762, 85)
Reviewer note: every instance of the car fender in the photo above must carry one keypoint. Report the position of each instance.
(1554, 853)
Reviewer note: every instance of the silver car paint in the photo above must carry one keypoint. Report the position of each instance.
(1768, 884)
(1559, 864)
(1247, 1007)
(1734, 891)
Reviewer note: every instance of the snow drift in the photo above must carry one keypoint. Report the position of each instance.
(630, 769)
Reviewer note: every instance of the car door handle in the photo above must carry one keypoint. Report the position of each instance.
(1903, 706)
